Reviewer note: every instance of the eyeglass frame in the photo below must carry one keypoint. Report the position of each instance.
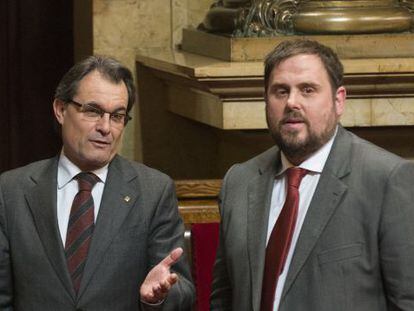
(101, 112)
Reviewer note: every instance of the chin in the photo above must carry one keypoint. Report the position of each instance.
(294, 138)
(96, 162)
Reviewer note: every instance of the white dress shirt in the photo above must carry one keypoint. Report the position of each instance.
(67, 188)
(314, 164)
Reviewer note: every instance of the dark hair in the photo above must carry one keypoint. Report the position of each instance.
(287, 49)
(109, 67)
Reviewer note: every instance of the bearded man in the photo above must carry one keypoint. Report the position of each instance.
(324, 220)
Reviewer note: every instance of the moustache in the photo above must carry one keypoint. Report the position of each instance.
(293, 116)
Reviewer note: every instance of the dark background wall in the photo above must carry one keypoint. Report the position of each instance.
(36, 49)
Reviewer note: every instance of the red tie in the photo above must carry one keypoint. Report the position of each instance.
(80, 227)
(279, 242)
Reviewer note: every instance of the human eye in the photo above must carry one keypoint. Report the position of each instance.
(118, 117)
(280, 92)
(308, 90)
(92, 111)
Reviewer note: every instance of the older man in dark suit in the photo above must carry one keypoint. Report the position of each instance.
(324, 221)
(88, 229)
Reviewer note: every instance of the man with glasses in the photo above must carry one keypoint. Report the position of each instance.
(88, 229)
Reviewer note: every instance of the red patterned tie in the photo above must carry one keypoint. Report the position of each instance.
(279, 242)
(80, 227)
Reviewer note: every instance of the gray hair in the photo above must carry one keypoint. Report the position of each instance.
(109, 67)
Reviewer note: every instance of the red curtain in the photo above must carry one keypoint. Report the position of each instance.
(204, 239)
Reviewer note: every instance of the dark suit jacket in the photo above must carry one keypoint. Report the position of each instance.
(355, 251)
(130, 237)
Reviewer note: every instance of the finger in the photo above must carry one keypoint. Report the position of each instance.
(165, 287)
(152, 299)
(161, 292)
(173, 257)
(156, 290)
(148, 296)
(172, 278)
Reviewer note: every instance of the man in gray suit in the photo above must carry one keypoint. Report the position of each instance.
(350, 246)
(118, 245)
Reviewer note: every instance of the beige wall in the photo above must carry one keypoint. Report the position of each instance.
(122, 28)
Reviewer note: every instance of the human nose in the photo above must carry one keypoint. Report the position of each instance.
(293, 100)
(103, 125)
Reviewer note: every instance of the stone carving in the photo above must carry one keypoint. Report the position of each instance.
(250, 18)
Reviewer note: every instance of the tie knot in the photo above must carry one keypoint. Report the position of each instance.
(86, 181)
(295, 175)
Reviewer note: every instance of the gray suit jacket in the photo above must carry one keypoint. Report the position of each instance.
(130, 237)
(355, 250)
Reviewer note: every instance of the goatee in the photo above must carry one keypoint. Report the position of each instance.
(297, 150)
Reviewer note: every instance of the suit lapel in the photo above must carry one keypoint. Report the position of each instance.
(325, 200)
(41, 199)
(259, 196)
(120, 194)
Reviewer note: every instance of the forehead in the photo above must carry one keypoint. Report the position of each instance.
(302, 66)
(96, 87)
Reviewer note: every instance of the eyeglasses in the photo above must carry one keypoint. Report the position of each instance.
(93, 113)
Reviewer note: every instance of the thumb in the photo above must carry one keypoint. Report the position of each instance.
(173, 257)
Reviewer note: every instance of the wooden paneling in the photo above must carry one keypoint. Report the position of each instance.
(197, 200)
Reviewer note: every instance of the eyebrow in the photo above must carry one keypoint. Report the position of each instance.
(311, 84)
(97, 105)
(278, 85)
(300, 85)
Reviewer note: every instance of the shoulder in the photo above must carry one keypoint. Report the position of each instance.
(148, 177)
(240, 175)
(23, 173)
(366, 161)
(260, 163)
(371, 154)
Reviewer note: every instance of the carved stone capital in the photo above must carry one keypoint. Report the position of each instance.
(257, 18)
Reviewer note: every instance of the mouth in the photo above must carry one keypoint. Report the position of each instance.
(293, 121)
(100, 143)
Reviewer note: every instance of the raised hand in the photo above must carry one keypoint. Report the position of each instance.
(160, 280)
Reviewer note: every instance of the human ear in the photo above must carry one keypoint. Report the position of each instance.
(340, 97)
(59, 110)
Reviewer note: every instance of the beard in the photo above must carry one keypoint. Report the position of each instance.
(298, 149)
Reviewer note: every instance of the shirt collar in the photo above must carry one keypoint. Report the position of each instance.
(316, 162)
(67, 170)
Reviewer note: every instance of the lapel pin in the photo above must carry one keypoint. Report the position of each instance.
(127, 198)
